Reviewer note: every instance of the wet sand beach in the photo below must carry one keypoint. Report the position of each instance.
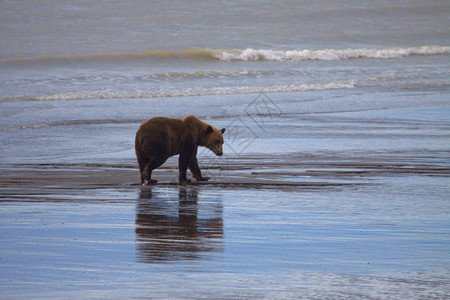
(336, 223)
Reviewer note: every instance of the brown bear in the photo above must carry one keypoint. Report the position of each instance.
(160, 138)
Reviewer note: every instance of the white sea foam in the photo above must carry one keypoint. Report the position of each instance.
(326, 54)
(191, 92)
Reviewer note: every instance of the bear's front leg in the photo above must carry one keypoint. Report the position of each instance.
(195, 169)
(183, 163)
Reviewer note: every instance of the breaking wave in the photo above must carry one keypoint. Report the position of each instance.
(327, 54)
(229, 55)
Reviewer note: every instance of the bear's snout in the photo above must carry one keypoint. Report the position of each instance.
(217, 149)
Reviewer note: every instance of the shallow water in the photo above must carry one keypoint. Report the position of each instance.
(378, 235)
(358, 216)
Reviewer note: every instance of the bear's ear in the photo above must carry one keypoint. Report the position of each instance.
(209, 130)
(223, 130)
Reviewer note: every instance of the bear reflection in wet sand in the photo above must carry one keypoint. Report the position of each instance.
(168, 230)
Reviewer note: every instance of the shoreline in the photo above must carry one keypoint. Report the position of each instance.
(288, 172)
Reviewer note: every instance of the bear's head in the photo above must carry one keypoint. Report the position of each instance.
(213, 140)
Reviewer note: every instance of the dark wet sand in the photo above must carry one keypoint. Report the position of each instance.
(288, 172)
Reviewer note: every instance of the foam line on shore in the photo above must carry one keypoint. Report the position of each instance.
(189, 92)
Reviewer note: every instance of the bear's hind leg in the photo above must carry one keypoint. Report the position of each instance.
(146, 175)
(146, 178)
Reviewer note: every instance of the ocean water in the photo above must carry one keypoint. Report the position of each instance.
(73, 51)
(70, 63)
(337, 145)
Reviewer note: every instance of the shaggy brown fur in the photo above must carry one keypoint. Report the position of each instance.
(160, 138)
